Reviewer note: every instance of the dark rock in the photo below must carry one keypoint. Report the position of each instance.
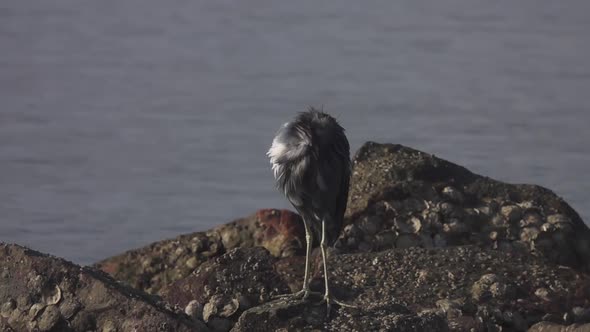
(55, 295)
(294, 315)
(581, 315)
(227, 285)
(161, 263)
(553, 327)
(457, 207)
(390, 289)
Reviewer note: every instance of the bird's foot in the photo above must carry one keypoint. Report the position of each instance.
(302, 294)
(330, 300)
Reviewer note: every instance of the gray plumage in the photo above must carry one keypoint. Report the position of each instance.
(310, 157)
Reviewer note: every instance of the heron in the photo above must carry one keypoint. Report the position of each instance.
(310, 158)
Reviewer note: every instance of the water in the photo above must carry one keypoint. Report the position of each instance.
(126, 121)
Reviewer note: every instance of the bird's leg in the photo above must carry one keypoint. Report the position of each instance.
(308, 240)
(327, 297)
(305, 292)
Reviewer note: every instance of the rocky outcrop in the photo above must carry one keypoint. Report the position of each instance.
(400, 197)
(466, 287)
(240, 285)
(427, 246)
(39, 292)
(162, 263)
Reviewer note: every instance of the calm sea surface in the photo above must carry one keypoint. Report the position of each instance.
(128, 121)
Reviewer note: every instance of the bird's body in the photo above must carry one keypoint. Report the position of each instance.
(310, 158)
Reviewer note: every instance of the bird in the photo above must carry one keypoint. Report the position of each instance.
(310, 158)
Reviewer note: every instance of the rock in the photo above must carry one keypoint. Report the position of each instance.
(49, 318)
(67, 297)
(553, 327)
(296, 315)
(194, 310)
(244, 276)
(512, 213)
(480, 291)
(529, 234)
(399, 184)
(543, 293)
(451, 308)
(558, 219)
(161, 263)
(531, 217)
(422, 278)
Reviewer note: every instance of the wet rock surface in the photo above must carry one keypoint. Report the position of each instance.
(152, 267)
(43, 293)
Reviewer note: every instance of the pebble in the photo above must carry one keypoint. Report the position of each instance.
(230, 308)
(558, 218)
(499, 221)
(531, 217)
(543, 294)
(51, 295)
(49, 318)
(480, 291)
(210, 308)
(528, 234)
(415, 224)
(493, 235)
(547, 227)
(512, 213)
(194, 309)
(69, 307)
(35, 310)
(109, 326)
(192, 262)
(7, 308)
